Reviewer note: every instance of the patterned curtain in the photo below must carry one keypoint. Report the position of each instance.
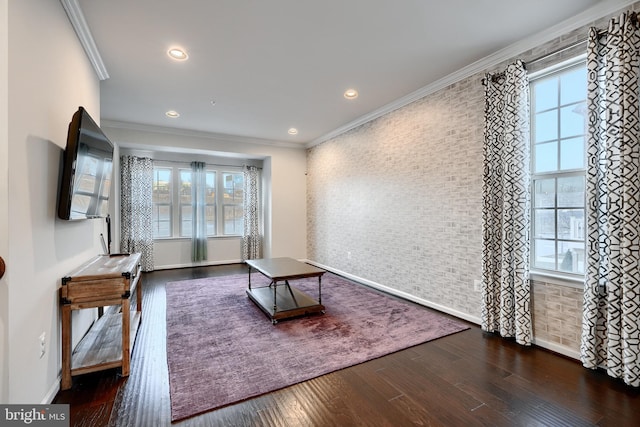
(136, 210)
(611, 314)
(252, 236)
(198, 211)
(506, 205)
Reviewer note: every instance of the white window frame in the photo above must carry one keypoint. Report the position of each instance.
(553, 276)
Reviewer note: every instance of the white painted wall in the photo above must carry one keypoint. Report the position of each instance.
(48, 77)
(284, 188)
(4, 195)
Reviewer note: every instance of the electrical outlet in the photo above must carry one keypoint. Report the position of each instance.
(43, 342)
(477, 285)
(348, 254)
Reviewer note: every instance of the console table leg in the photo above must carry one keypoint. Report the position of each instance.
(126, 328)
(139, 297)
(66, 348)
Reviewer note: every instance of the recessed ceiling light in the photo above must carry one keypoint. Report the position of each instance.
(293, 131)
(351, 94)
(172, 114)
(178, 54)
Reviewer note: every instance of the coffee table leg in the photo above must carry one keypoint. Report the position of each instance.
(275, 294)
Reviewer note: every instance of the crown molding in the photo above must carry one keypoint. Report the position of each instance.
(115, 124)
(79, 24)
(584, 18)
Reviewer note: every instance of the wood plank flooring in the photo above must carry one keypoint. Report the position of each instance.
(467, 379)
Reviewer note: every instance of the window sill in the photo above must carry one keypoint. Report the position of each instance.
(557, 279)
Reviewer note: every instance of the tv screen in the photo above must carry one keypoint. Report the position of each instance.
(86, 172)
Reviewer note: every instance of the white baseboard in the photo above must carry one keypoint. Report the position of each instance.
(196, 264)
(401, 294)
(556, 348)
(51, 394)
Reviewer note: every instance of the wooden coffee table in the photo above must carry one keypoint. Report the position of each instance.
(280, 300)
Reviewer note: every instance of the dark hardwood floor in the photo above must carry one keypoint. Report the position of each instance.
(466, 379)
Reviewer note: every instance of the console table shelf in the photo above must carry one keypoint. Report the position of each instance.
(101, 347)
(104, 281)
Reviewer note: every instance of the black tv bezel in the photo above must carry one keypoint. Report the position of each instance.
(81, 119)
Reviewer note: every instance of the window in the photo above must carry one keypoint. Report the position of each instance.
(558, 146)
(172, 209)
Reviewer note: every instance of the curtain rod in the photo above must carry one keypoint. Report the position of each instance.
(208, 164)
(601, 32)
(633, 16)
(558, 51)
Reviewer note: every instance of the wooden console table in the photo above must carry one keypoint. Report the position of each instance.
(106, 280)
(282, 301)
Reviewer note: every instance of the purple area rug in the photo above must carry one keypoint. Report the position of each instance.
(221, 348)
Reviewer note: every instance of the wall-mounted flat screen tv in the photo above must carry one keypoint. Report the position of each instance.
(87, 170)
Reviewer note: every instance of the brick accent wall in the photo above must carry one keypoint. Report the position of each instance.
(397, 201)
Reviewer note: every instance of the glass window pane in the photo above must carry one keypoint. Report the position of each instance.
(162, 221)
(233, 220)
(571, 224)
(571, 192)
(162, 186)
(571, 257)
(573, 86)
(546, 157)
(546, 94)
(544, 254)
(210, 194)
(572, 153)
(233, 187)
(544, 193)
(573, 120)
(546, 127)
(239, 187)
(545, 223)
(185, 186)
(210, 213)
(185, 220)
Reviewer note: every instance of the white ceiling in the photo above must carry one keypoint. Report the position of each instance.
(274, 64)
